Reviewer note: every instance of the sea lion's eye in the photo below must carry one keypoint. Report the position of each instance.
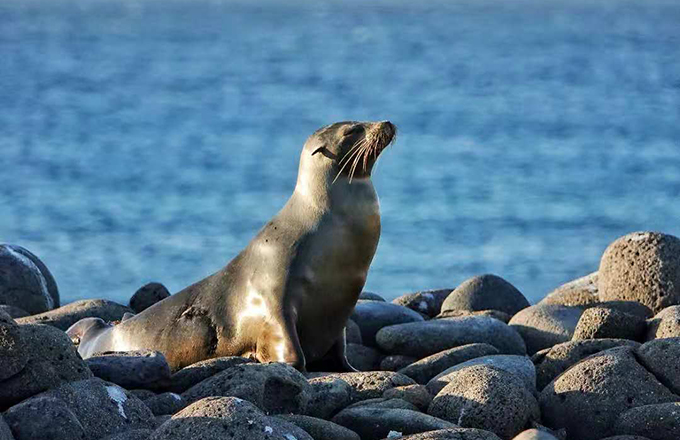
(318, 150)
(354, 129)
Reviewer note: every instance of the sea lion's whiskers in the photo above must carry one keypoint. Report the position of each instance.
(356, 149)
(356, 162)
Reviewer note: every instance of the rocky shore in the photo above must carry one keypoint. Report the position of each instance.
(597, 358)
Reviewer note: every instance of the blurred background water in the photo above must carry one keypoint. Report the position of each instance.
(149, 141)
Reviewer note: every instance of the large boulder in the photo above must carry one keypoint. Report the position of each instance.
(485, 397)
(665, 324)
(64, 317)
(371, 316)
(661, 357)
(553, 361)
(579, 292)
(25, 281)
(320, 429)
(52, 360)
(427, 302)
(376, 423)
(658, 422)
(604, 322)
(130, 369)
(148, 295)
(193, 374)
(275, 388)
(13, 312)
(643, 267)
(13, 355)
(589, 397)
(44, 418)
(218, 418)
(545, 325)
(329, 395)
(425, 369)
(486, 292)
(369, 384)
(421, 339)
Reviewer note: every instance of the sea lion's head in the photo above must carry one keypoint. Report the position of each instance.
(345, 150)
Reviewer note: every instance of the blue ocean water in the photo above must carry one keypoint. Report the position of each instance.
(149, 141)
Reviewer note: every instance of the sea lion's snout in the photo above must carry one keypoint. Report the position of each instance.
(381, 135)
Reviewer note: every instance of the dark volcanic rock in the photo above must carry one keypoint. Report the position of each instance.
(320, 429)
(371, 316)
(377, 423)
(658, 422)
(5, 433)
(13, 312)
(589, 397)
(363, 358)
(543, 326)
(427, 302)
(486, 292)
(369, 384)
(643, 267)
(192, 374)
(661, 357)
(420, 339)
(415, 394)
(602, 322)
(44, 418)
(276, 388)
(135, 434)
(25, 282)
(485, 397)
(148, 295)
(165, 403)
(130, 369)
(52, 360)
(497, 314)
(665, 324)
(219, 418)
(353, 333)
(385, 403)
(370, 296)
(396, 362)
(329, 395)
(425, 369)
(13, 355)
(552, 362)
(453, 434)
(64, 317)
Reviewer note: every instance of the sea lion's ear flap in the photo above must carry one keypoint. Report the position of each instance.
(318, 150)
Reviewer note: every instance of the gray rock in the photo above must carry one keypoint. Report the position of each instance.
(275, 388)
(396, 362)
(658, 422)
(376, 423)
(13, 355)
(52, 360)
(453, 434)
(427, 302)
(148, 295)
(486, 292)
(626, 437)
(643, 267)
(320, 429)
(130, 369)
(418, 395)
(5, 433)
(665, 324)
(661, 357)
(535, 434)
(371, 316)
(13, 312)
(589, 397)
(165, 403)
(159, 420)
(218, 418)
(421, 339)
(353, 333)
(601, 322)
(102, 408)
(553, 361)
(329, 395)
(370, 296)
(143, 394)
(520, 366)
(136, 434)
(425, 369)
(385, 403)
(193, 374)
(630, 307)
(363, 358)
(44, 418)
(25, 282)
(543, 326)
(496, 314)
(64, 317)
(488, 398)
(368, 384)
(579, 292)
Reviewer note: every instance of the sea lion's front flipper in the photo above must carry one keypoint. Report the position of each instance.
(279, 342)
(335, 360)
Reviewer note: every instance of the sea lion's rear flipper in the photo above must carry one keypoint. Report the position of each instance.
(85, 331)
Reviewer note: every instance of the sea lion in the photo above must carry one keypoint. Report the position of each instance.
(287, 296)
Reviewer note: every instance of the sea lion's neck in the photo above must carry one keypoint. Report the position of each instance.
(321, 192)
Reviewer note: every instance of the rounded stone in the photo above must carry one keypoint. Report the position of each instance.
(148, 295)
(486, 292)
(534, 434)
(320, 429)
(418, 395)
(425, 369)
(376, 423)
(363, 358)
(5, 433)
(165, 403)
(64, 317)
(421, 339)
(383, 402)
(371, 316)
(555, 360)
(396, 362)
(426, 302)
(370, 296)
(579, 292)
(486, 397)
(587, 399)
(497, 314)
(25, 281)
(130, 369)
(13, 356)
(369, 384)
(661, 357)
(193, 374)
(13, 312)
(658, 422)
(643, 267)
(545, 325)
(602, 322)
(329, 395)
(665, 324)
(353, 333)
(44, 418)
(451, 434)
(275, 388)
(135, 434)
